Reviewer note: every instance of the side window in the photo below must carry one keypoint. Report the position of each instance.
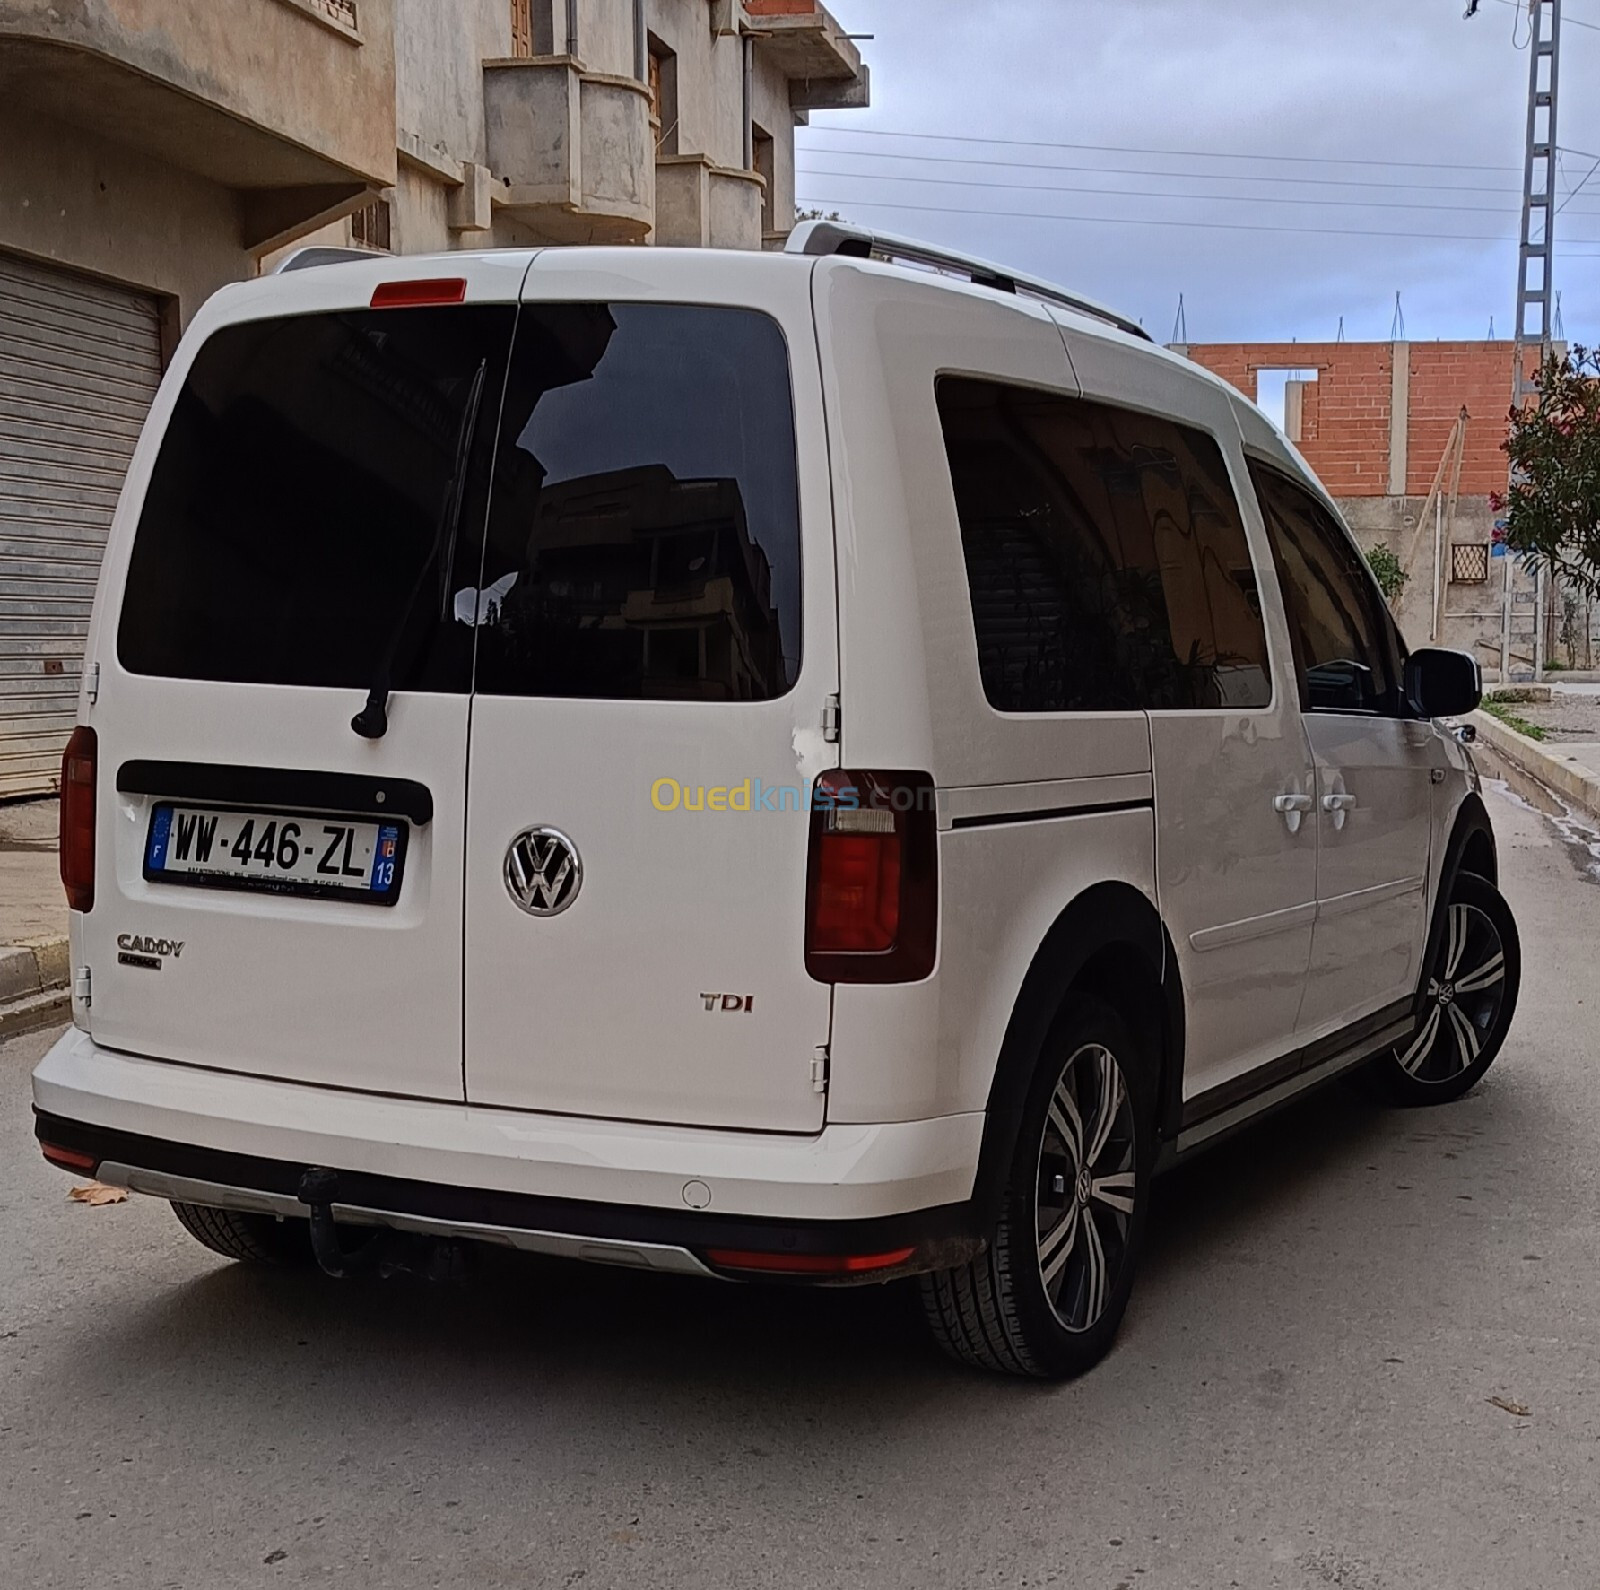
(1106, 556)
(1342, 641)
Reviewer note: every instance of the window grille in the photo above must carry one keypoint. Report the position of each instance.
(369, 226)
(1469, 562)
(340, 11)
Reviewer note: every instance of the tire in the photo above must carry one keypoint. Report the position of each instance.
(1471, 996)
(1046, 1296)
(251, 1239)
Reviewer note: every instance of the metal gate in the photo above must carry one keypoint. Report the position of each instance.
(79, 364)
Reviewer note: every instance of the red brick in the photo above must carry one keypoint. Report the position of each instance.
(1345, 430)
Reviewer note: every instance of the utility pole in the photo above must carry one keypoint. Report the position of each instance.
(1535, 267)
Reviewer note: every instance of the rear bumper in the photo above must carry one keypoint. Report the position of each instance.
(245, 1142)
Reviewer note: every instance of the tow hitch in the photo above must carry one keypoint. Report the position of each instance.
(319, 1190)
(385, 1252)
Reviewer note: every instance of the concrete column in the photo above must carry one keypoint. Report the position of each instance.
(1294, 410)
(1399, 417)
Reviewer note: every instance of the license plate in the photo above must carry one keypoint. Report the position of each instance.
(288, 853)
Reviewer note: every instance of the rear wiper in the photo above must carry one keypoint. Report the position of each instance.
(372, 721)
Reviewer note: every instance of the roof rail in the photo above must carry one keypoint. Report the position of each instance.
(830, 237)
(304, 259)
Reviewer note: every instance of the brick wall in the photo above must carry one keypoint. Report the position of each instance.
(1345, 432)
(1445, 378)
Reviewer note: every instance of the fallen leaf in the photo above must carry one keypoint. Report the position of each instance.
(1520, 1409)
(96, 1193)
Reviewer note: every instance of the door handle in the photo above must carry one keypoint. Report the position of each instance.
(1336, 805)
(1291, 808)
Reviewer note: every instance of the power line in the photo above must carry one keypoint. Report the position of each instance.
(1579, 189)
(1215, 226)
(1126, 149)
(1140, 171)
(1571, 22)
(1223, 198)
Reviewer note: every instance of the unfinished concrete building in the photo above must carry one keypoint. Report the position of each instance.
(153, 150)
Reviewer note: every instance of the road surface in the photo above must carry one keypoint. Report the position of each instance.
(1300, 1396)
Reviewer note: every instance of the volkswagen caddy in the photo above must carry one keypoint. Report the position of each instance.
(827, 767)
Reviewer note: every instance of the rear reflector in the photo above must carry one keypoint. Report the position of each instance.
(69, 1158)
(872, 878)
(77, 818)
(412, 295)
(807, 1263)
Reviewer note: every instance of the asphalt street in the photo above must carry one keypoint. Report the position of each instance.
(1300, 1396)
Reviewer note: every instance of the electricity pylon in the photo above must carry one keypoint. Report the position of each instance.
(1535, 262)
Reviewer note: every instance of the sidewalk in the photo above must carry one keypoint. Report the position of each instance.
(34, 971)
(1568, 757)
(1569, 767)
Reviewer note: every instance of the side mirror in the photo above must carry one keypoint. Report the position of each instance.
(1443, 684)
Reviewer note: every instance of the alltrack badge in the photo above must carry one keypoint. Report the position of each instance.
(543, 873)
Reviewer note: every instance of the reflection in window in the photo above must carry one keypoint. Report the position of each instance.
(1340, 643)
(298, 525)
(645, 510)
(1106, 557)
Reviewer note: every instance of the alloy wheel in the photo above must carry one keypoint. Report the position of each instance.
(1087, 1186)
(1463, 999)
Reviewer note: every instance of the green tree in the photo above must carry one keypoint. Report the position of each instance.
(1552, 509)
(1387, 572)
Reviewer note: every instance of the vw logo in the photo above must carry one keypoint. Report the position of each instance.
(542, 871)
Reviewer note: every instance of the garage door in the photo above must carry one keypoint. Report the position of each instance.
(79, 364)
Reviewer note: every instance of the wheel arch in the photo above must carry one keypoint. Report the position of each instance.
(1109, 941)
(1470, 848)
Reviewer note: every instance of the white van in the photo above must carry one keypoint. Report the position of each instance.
(827, 767)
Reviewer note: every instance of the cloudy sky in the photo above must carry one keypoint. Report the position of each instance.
(1093, 142)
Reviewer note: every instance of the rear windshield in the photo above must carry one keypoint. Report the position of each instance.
(644, 539)
(322, 510)
(303, 522)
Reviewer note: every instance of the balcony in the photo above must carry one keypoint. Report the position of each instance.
(809, 47)
(702, 205)
(288, 102)
(572, 151)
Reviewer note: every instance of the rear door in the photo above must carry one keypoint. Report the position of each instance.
(1235, 846)
(657, 646)
(276, 893)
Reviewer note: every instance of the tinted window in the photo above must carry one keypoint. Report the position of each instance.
(645, 534)
(1342, 641)
(1105, 554)
(298, 525)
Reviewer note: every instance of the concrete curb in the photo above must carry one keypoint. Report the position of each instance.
(33, 1011)
(1561, 773)
(32, 966)
(33, 985)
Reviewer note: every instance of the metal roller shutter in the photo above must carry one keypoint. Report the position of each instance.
(79, 364)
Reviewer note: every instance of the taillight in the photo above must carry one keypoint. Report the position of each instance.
(872, 878)
(413, 295)
(807, 1263)
(77, 819)
(70, 1158)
